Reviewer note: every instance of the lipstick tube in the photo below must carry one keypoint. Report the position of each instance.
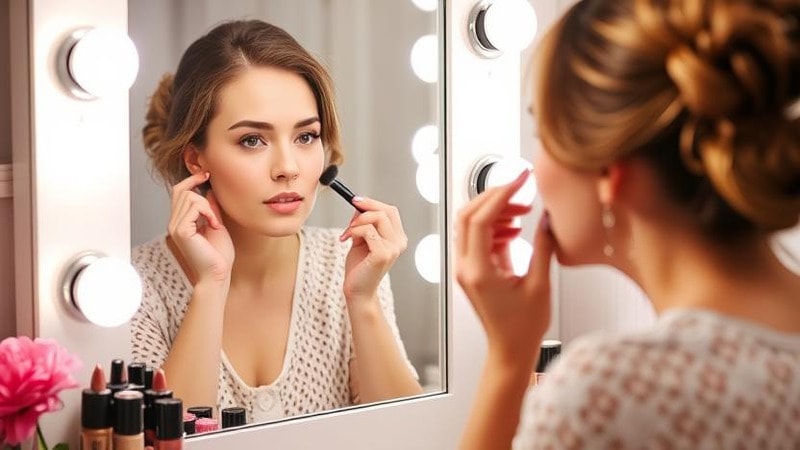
(169, 424)
(128, 425)
(96, 414)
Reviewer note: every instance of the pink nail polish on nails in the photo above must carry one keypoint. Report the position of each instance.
(358, 199)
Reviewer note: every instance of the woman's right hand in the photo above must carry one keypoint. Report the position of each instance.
(196, 228)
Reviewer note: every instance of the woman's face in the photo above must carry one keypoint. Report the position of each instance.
(571, 198)
(263, 150)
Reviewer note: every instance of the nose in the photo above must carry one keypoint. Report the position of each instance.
(284, 164)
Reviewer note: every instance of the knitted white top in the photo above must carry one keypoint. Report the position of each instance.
(697, 380)
(316, 372)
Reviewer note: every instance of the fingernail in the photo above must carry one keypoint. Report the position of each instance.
(546, 221)
(358, 198)
(208, 174)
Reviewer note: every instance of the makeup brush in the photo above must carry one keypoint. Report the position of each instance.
(328, 178)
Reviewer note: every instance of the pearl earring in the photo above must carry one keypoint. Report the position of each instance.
(608, 220)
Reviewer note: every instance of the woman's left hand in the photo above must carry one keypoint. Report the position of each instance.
(378, 239)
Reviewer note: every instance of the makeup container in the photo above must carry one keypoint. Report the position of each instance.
(204, 425)
(136, 376)
(233, 417)
(189, 420)
(201, 411)
(169, 424)
(148, 378)
(117, 380)
(549, 351)
(128, 424)
(158, 392)
(97, 429)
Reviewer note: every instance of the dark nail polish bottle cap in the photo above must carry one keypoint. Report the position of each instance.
(117, 381)
(550, 350)
(136, 373)
(169, 419)
(128, 408)
(201, 411)
(96, 409)
(189, 420)
(148, 378)
(233, 417)
(150, 396)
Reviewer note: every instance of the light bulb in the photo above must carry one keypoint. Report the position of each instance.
(100, 61)
(499, 26)
(427, 258)
(425, 58)
(491, 171)
(425, 142)
(426, 5)
(106, 290)
(520, 251)
(428, 178)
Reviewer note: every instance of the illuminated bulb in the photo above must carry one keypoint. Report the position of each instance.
(425, 142)
(494, 171)
(520, 251)
(426, 5)
(498, 26)
(427, 258)
(428, 178)
(425, 58)
(106, 290)
(101, 61)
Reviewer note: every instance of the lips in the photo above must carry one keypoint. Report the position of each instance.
(285, 197)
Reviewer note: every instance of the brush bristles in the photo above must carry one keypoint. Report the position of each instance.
(329, 174)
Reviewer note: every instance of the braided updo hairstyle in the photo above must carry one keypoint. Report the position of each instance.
(183, 105)
(707, 90)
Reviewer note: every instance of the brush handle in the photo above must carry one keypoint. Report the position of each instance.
(346, 193)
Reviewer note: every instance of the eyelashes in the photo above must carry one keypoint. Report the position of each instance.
(255, 141)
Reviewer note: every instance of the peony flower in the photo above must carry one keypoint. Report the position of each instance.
(32, 374)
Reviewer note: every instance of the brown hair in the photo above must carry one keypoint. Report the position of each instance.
(183, 104)
(704, 89)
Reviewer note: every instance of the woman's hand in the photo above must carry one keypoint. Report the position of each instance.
(197, 230)
(514, 310)
(378, 239)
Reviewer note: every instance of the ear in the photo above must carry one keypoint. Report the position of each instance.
(193, 159)
(611, 181)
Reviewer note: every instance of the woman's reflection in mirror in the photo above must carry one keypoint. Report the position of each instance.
(244, 305)
(671, 153)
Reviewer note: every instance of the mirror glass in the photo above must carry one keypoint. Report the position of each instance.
(390, 126)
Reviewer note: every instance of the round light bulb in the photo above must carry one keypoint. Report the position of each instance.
(102, 61)
(106, 290)
(428, 178)
(491, 171)
(425, 58)
(427, 258)
(520, 251)
(498, 26)
(425, 142)
(426, 5)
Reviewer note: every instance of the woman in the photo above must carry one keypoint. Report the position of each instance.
(671, 153)
(243, 305)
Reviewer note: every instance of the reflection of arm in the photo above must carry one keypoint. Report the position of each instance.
(380, 368)
(192, 366)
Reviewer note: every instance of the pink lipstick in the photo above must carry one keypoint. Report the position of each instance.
(285, 202)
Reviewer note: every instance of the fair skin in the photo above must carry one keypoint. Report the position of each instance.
(239, 245)
(742, 279)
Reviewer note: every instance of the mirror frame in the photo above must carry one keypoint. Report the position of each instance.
(479, 101)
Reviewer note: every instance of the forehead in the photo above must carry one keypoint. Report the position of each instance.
(267, 94)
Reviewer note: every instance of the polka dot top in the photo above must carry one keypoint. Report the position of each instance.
(316, 371)
(698, 380)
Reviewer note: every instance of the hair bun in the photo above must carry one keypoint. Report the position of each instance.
(157, 117)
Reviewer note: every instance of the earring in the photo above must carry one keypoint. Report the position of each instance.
(608, 220)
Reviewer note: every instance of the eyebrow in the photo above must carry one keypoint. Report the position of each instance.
(269, 126)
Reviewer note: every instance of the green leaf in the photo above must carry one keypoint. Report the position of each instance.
(61, 446)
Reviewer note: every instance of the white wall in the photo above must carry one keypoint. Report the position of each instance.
(7, 304)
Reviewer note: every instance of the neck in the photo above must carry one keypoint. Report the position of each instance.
(679, 268)
(261, 259)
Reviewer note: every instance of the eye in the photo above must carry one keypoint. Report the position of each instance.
(307, 138)
(252, 141)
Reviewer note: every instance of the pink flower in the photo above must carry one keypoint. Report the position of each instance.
(32, 374)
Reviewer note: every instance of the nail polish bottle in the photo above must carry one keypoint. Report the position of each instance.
(169, 424)
(128, 426)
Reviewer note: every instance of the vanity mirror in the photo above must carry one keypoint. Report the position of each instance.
(382, 57)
